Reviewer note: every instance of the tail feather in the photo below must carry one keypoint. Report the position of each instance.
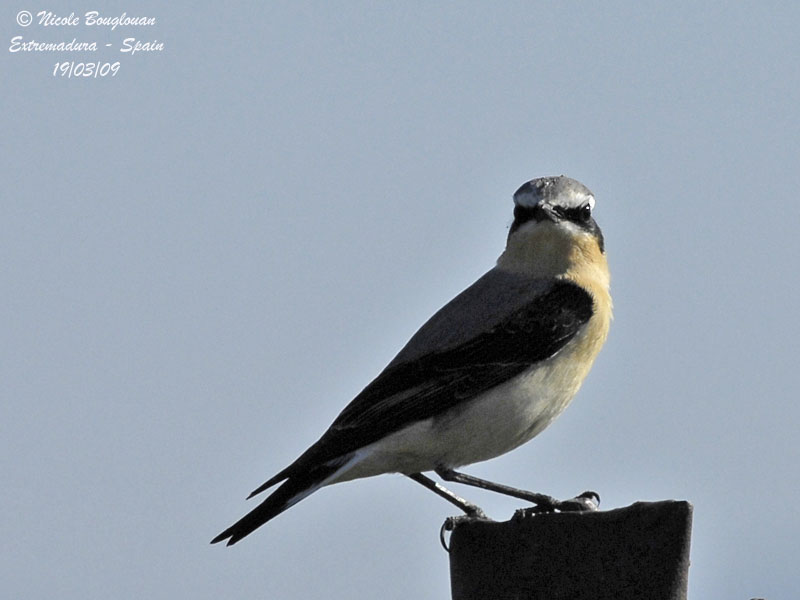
(316, 455)
(294, 489)
(269, 483)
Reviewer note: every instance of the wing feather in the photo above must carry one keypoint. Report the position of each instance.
(476, 350)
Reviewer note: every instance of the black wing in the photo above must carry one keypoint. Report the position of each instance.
(428, 385)
(476, 351)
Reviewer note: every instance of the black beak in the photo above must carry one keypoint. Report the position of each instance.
(546, 211)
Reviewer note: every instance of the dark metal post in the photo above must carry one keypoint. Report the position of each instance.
(638, 552)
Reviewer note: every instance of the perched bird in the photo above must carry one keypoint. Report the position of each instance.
(488, 372)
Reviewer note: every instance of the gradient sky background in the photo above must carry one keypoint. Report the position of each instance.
(206, 257)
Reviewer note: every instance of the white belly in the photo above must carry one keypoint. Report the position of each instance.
(490, 425)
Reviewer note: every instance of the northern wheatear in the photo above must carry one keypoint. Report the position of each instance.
(486, 373)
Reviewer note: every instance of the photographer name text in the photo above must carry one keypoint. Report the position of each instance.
(92, 19)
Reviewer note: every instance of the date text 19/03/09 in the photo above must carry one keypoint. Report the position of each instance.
(70, 69)
(129, 45)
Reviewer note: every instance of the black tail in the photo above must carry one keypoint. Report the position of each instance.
(294, 489)
(285, 474)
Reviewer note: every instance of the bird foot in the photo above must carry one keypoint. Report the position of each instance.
(586, 502)
(450, 523)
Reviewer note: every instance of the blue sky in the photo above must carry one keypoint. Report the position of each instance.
(208, 255)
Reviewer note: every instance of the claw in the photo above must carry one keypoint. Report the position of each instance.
(586, 502)
(450, 523)
(477, 513)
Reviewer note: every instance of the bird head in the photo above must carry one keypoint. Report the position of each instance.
(557, 201)
(553, 219)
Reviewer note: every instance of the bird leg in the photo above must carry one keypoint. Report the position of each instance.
(468, 507)
(587, 501)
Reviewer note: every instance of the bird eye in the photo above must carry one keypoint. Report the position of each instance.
(585, 213)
